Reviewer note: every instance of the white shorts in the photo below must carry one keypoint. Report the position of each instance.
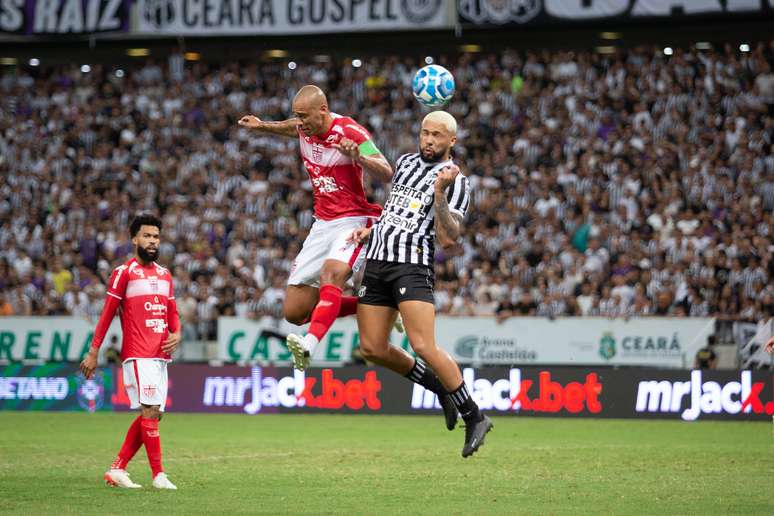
(327, 240)
(145, 380)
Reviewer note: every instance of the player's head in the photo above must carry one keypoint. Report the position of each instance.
(437, 136)
(311, 107)
(145, 231)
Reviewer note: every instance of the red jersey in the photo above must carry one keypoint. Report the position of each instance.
(145, 295)
(336, 179)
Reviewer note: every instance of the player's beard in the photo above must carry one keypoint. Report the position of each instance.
(147, 255)
(435, 157)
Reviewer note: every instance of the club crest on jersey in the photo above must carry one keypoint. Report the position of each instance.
(317, 151)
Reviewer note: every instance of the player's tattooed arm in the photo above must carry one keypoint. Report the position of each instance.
(287, 127)
(448, 225)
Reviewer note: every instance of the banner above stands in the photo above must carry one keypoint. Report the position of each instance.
(562, 12)
(268, 17)
(48, 17)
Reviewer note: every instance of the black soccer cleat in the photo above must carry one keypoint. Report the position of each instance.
(449, 411)
(475, 433)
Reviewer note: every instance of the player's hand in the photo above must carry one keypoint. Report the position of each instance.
(170, 344)
(89, 363)
(769, 347)
(446, 176)
(250, 121)
(348, 148)
(359, 236)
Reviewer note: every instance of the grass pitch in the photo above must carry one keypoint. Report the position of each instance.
(52, 463)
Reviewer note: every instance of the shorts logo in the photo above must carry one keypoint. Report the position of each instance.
(149, 390)
(402, 290)
(362, 291)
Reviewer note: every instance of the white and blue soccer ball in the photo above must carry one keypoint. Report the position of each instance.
(433, 85)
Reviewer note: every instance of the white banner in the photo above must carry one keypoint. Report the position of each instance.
(50, 339)
(231, 17)
(658, 342)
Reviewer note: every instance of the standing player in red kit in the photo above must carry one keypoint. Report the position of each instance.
(143, 293)
(335, 150)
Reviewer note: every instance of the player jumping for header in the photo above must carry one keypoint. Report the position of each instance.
(335, 150)
(143, 292)
(427, 202)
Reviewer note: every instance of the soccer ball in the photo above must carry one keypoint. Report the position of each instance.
(433, 85)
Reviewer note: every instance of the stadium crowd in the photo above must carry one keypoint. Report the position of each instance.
(621, 185)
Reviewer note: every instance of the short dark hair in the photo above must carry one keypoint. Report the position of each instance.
(143, 219)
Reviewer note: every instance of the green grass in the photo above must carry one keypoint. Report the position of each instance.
(274, 464)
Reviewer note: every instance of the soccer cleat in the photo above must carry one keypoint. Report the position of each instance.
(295, 344)
(449, 411)
(474, 435)
(120, 478)
(399, 324)
(162, 482)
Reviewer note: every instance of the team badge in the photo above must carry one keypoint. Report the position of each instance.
(317, 152)
(91, 392)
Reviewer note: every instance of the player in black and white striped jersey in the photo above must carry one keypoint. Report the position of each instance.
(405, 232)
(427, 202)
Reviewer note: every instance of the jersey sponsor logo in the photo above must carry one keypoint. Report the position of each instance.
(325, 185)
(158, 325)
(155, 307)
(399, 222)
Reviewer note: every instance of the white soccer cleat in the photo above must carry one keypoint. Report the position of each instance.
(162, 482)
(399, 324)
(120, 478)
(297, 348)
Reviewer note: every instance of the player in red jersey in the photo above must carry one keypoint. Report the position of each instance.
(143, 292)
(335, 150)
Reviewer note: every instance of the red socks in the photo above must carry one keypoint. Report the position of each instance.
(132, 443)
(326, 311)
(150, 437)
(348, 306)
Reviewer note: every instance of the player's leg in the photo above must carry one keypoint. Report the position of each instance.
(300, 300)
(117, 476)
(152, 382)
(376, 316)
(419, 319)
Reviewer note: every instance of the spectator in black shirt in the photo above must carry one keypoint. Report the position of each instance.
(706, 357)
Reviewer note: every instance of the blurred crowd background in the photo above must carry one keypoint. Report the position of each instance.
(622, 185)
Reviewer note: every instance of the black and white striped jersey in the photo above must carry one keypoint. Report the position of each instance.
(405, 231)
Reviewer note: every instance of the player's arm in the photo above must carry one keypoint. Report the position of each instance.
(287, 127)
(116, 290)
(173, 325)
(358, 145)
(448, 219)
(360, 236)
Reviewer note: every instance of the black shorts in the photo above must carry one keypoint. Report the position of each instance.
(390, 283)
